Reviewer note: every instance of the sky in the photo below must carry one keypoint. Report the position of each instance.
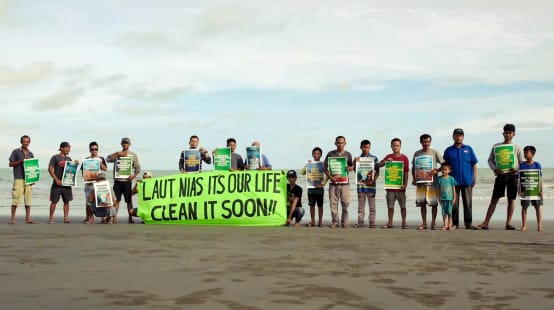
(290, 74)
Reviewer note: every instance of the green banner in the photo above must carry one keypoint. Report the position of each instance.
(529, 182)
(32, 171)
(504, 157)
(241, 198)
(394, 174)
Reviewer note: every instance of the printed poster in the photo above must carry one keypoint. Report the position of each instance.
(314, 174)
(394, 174)
(529, 184)
(253, 157)
(69, 173)
(337, 167)
(365, 170)
(192, 161)
(32, 171)
(123, 167)
(103, 195)
(423, 166)
(90, 167)
(222, 158)
(504, 157)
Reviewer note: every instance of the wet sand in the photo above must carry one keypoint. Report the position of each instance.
(126, 266)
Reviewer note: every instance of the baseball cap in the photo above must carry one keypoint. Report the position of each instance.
(147, 174)
(291, 173)
(458, 131)
(125, 140)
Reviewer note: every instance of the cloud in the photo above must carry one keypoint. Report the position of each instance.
(60, 99)
(151, 39)
(28, 74)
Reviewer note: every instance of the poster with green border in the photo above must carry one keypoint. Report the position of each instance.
(337, 167)
(123, 167)
(32, 171)
(504, 157)
(394, 174)
(529, 184)
(236, 198)
(222, 159)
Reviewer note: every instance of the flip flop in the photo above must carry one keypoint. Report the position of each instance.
(510, 227)
(50, 222)
(421, 227)
(479, 227)
(67, 222)
(31, 222)
(11, 223)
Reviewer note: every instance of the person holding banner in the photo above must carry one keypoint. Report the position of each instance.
(264, 163)
(294, 200)
(20, 188)
(396, 193)
(424, 169)
(102, 208)
(463, 162)
(316, 191)
(530, 190)
(56, 169)
(204, 155)
(126, 168)
(504, 160)
(91, 177)
(367, 172)
(336, 166)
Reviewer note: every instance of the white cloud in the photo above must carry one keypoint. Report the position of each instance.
(28, 74)
(59, 99)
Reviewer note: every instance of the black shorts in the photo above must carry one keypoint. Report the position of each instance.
(505, 183)
(122, 188)
(315, 199)
(64, 192)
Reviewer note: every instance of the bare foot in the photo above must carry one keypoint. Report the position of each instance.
(444, 228)
(540, 229)
(523, 228)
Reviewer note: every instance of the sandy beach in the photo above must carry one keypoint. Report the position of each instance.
(199, 267)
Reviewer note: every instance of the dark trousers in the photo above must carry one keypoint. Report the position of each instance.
(463, 193)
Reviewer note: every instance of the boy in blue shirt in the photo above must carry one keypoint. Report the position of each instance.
(446, 186)
(528, 164)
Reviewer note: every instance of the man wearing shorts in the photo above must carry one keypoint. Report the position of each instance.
(397, 194)
(426, 192)
(505, 181)
(57, 191)
(19, 188)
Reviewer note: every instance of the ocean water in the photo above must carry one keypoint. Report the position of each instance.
(481, 198)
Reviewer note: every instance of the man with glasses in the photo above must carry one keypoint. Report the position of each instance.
(123, 185)
(89, 187)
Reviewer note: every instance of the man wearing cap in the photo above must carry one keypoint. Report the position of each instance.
(55, 169)
(294, 200)
(123, 186)
(463, 163)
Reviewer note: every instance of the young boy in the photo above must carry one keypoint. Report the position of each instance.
(505, 181)
(366, 188)
(529, 163)
(315, 195)
(446, 186)
(294, 200)
(397, 194)
(426, 193)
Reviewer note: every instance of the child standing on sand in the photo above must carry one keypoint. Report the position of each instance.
(528, 164)
(447, 195)
(315, 195)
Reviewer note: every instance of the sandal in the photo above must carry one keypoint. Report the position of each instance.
(510, 227)
(356, 226)
(421, 227)
(31, 222)
(387, 226)
(405, 226)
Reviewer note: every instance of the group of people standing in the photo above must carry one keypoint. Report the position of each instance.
(458, 167)
(122, 186)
